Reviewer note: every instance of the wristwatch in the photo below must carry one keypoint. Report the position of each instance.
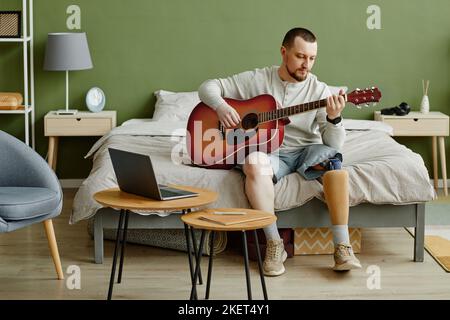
(335, 120)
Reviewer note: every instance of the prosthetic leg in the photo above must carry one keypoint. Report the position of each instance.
(335, 188)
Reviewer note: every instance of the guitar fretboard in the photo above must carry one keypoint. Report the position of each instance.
(289, 111)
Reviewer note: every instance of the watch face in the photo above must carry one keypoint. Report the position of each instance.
(95, 99)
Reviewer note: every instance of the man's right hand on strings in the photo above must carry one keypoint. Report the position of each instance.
(228, 116)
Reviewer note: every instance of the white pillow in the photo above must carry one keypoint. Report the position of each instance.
(174, 106)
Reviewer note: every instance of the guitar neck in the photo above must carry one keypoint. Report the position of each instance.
(290, 111)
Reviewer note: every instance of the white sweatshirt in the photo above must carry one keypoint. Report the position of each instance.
(305, 128)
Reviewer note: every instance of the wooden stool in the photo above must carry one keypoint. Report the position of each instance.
(196, 220)
(126, 202)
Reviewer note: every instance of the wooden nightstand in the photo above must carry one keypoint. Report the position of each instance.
(416, 124)
(76, 125)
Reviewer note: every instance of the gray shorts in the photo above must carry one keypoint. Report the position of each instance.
(301, 161)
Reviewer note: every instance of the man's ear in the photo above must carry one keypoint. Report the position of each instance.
(283, 51)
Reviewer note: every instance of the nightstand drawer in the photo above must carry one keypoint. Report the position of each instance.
(77, 126)
(419, 126)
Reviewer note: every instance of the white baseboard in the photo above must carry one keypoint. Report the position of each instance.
(70, 183)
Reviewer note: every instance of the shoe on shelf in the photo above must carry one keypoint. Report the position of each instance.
(401, 110)
(393, 111)
(275, 256)
(344, 259)
(405, 107)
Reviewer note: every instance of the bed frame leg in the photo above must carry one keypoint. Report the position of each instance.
(98, 238)
(419, 233)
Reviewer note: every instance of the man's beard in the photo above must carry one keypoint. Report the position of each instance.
(295, 76)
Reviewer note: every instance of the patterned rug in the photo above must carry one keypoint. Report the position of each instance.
(437, 246)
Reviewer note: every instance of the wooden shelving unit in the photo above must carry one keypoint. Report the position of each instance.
(28, 71)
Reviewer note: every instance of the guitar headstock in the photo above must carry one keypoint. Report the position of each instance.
(364, 96)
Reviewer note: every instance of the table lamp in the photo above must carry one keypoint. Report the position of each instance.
(67, 52)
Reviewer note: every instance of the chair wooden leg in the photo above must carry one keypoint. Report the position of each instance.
(48, 224)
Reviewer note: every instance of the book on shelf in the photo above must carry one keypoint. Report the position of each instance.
(227, 220)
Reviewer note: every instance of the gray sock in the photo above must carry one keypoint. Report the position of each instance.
(340, 234)
(271, 232)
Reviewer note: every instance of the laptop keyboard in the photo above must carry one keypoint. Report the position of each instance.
(168, 193)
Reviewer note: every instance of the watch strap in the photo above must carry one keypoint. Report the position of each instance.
(335, 120)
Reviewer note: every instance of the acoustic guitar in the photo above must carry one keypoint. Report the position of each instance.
(211, 145)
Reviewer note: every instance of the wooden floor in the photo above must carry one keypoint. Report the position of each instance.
(27, 272)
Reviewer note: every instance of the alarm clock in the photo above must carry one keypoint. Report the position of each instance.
(95, 99)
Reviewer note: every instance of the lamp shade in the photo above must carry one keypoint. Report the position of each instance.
(67, 51)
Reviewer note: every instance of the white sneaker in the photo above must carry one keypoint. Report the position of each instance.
(275, 256)
(344, 258)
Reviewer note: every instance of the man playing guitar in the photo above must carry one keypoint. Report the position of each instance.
(316, 135)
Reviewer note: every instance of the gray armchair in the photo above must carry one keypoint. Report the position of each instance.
(29, 192)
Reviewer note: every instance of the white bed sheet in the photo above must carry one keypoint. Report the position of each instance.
(381, 171)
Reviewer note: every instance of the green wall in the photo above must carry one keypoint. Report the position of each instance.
(139, 46)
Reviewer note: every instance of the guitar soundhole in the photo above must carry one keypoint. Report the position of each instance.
(250, 121)
(238, 136)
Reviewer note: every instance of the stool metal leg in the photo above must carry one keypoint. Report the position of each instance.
(247, 271)
(124, 242)
(196, 254)
(188, 245)
(211, 254)
(197, 268)
(113, 271)
(261, 273)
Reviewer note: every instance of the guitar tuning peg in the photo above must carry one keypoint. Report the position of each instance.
(358, 89)
(366, 104)
(358, 106)
(373, 88)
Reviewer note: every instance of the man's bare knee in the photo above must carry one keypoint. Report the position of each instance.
(257, 164)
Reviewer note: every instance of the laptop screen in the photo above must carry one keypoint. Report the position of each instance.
(135, 173)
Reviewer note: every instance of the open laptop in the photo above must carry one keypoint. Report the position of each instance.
(135, 175)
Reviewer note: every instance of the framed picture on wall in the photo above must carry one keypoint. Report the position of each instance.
(10, 24)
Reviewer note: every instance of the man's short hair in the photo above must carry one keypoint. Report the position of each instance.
(290, 36)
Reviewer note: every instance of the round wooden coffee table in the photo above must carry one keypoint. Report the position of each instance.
(250, 221)
(126, 202)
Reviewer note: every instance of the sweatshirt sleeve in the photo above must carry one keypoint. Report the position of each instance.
(212, 91)
(333, 135)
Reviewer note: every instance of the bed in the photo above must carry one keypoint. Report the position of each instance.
(388, 183)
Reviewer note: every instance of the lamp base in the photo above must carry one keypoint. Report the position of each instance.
(66, 111)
